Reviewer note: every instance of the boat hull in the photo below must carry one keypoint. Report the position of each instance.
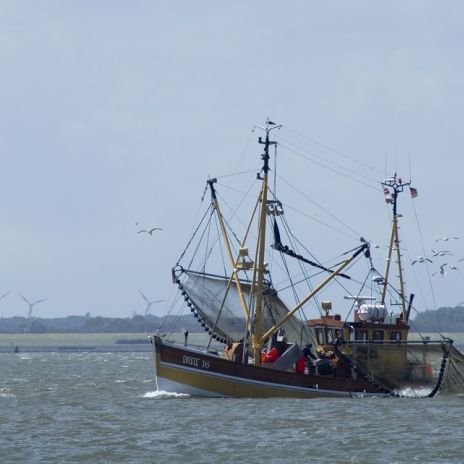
(180, 369)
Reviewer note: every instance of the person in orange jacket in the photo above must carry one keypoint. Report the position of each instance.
(272, 355)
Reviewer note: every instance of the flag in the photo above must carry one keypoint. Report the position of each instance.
(413, 192)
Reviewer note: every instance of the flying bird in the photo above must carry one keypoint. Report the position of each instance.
(445, 239)
(149, 231)
(442, 270)
(454, 268)
(441, 253)
(421, 259)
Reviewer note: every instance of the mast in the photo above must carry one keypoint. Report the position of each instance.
(397, 186)
(260, 251)
(233, 263)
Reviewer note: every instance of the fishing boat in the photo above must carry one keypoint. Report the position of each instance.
(259, 344)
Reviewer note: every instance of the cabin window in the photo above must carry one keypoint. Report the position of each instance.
(329, 336)
(395, 336)
(338, 333)
(319, 336)
(363, 335)
(377, 335)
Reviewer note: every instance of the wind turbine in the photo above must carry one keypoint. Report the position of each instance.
(31, 305)
(149, 303)
(4, 295)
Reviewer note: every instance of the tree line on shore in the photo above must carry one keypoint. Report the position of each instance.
(98, 324)
(444, 319)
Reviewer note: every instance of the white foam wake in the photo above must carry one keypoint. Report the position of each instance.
(409, 392)
(161, 395)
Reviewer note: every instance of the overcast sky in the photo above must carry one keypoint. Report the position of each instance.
(115, 112)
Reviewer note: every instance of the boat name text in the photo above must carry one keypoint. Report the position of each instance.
(195, 362)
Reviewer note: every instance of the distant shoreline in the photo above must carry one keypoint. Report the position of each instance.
(130, 348)
(76, 342)
(88, 343)
(121, 342)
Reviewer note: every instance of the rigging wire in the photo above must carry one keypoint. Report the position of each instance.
(332, 150)
(302, 268)
(207, 248)
(245, 149)
(234, 174)
(423, 251)
(339, 166)
(327, 167)
(417, 280)
(357, 296)
(211, 211)
(356, 236)
(232, 210)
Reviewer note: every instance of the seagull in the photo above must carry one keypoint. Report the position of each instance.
(445, 239)
(454, 268)
(441, 253)
(376, 245)
(442, 270)
(421, 259)
(149, 231)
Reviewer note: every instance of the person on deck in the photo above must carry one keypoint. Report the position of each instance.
(304, 360)
(271, 356)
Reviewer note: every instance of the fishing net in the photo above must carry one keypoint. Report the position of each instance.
(218, 305)
(420, 368)
(454, 380)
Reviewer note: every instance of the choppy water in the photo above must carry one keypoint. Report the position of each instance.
(103, 408)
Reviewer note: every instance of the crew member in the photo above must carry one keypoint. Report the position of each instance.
(304, 360)
(272, 355)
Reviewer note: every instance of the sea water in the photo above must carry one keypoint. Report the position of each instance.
(104, 408)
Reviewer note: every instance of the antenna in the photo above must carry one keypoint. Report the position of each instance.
(31, 305)
(409, 161)
(149, 303)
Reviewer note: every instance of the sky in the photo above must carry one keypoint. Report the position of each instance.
(115, 113)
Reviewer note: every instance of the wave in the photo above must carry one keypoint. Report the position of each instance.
(410, 392)
(163, 395)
